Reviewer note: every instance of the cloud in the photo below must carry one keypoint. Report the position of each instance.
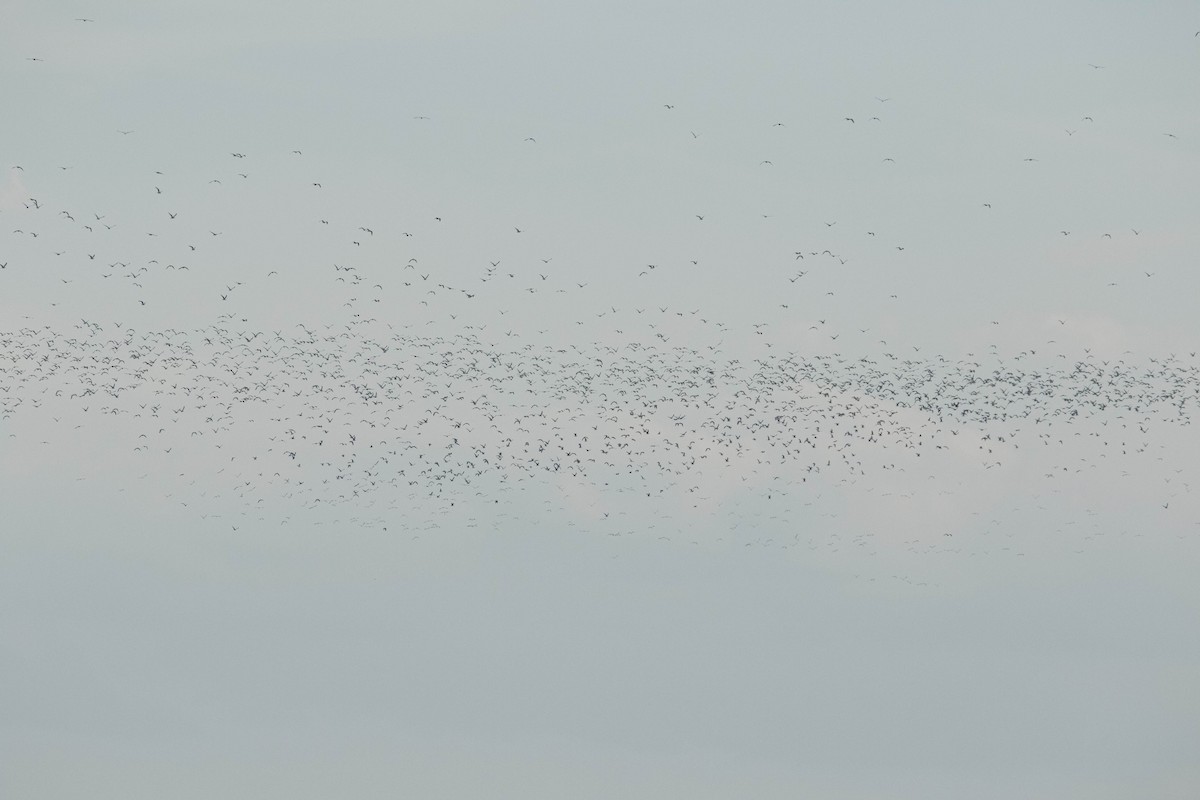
(13, 194)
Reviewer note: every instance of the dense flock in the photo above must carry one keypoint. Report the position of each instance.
(250, 330)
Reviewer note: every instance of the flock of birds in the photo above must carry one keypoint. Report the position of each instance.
(429, 386)
(397, 430)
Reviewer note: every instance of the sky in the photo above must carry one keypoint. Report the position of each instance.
(648, 400)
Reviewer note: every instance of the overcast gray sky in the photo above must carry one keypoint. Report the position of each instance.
(890, 308)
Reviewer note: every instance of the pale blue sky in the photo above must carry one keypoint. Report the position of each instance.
(206, 608)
